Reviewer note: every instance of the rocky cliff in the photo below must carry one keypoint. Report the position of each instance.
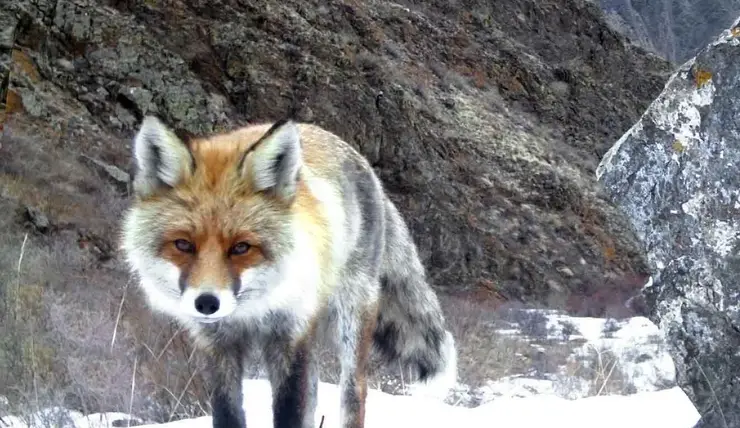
(674, 29)
(485, 122)
(675, 175)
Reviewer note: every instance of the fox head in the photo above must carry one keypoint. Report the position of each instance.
(213, 231)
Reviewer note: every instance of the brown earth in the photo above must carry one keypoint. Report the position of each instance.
(484, 122)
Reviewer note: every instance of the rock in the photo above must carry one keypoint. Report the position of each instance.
(566, 271)
(8, 25)
(120, 177)
(38, 219)
(140, 98)
(674, 173)
(554, 285)
(99, 247)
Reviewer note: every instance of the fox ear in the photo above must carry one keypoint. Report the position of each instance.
(162, 159)
(274, 162)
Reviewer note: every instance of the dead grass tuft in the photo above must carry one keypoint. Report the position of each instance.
(599, 372)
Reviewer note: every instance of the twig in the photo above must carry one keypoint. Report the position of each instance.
(192, 353)
(148, 348)
(18, 285)
(714, 395)
(202, 410)
(118, 317)
(403, 383)
(607, 377)
(133, 388)
(602, 368)
(33, 372)
(179, 399)
(23, 249)
(167, 390)
(167, 345)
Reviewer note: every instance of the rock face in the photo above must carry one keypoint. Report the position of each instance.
(674, 173)
(675, 29)
(485, 124)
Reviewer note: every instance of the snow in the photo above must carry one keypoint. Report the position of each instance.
(636, 343)
(516, 387)
(668, 408)
(59, 417)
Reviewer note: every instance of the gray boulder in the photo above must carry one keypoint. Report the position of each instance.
(675, 174)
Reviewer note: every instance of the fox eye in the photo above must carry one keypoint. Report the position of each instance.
(239, 249)
(184, 246)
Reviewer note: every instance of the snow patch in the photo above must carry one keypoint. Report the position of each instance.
(60, 417)
(636, 346)
(669, 408)
(632, 349)
(516, 387)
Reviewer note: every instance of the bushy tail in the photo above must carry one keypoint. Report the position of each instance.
(411, 326)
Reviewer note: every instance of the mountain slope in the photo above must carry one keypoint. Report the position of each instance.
(675, 29)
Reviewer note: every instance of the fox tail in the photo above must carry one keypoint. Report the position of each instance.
(410, 328)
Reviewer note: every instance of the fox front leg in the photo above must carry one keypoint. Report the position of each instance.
(293, 373)
(225, 372)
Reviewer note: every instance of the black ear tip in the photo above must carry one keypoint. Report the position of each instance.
(286, 120)
(280, 124)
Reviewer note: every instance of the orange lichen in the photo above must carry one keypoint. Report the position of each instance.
(702, 77)
(13, 102)
(23, 64)
(610, 253)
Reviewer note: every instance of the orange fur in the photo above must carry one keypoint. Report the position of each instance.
(216, 196)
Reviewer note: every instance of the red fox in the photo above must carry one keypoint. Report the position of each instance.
(272, 237)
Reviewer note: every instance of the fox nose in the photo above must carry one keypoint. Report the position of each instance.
(207, 304)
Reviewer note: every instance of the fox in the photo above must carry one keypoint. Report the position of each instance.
(271, 237)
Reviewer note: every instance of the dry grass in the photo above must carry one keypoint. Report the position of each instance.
(56, 346)
(52, 339)
(599, 372)
(61, 305)
(482, 352)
